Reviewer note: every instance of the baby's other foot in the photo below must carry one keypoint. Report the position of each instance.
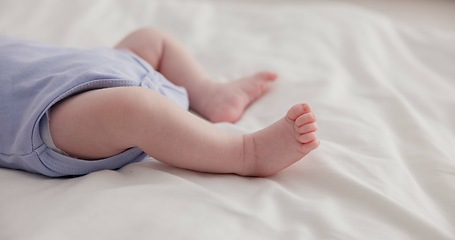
(280, 145)
(229, 100)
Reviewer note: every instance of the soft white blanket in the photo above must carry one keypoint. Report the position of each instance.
(383, 91)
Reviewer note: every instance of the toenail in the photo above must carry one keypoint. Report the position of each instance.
(305, 107)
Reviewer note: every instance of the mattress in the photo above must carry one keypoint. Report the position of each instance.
(383, 91)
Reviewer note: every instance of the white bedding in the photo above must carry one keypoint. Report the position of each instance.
(383, 91)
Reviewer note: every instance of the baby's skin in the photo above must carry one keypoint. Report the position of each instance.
(101, 123)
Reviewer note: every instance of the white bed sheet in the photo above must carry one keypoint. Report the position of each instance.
(383, 91)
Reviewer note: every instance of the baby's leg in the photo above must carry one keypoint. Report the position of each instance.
(217, 102)
(101, 123)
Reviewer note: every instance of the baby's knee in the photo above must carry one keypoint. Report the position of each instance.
(148, 34)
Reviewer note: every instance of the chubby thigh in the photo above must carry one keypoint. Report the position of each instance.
(95, 124)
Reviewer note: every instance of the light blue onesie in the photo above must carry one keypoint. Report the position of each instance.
(34, 77)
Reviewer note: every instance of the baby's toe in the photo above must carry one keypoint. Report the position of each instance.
(297, 111)
(308, 147)
(307, 137)
(306, 128)
(306, 118)
(266, 75)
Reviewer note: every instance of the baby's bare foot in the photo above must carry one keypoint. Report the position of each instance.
(228, 101)
(281, 144)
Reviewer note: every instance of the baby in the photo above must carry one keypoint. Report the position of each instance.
(71, 112)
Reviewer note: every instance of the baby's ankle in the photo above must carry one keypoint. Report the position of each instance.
(248, 167)
(252, 164)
